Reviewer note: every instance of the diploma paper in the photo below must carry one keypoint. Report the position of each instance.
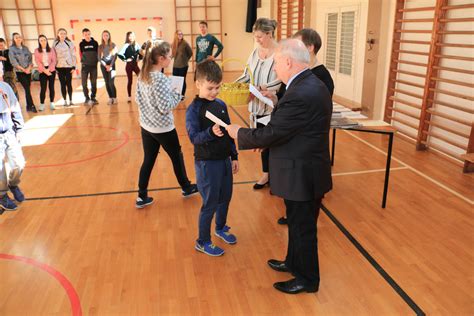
(177, 83)
(253, 90)
(264, 120)
(215, 119)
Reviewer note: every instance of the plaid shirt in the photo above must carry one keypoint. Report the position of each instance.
(156, 101)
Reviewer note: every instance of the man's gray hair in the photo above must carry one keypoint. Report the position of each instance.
(294, 49)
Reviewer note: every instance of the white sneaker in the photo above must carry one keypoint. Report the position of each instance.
(110, 102)
(114, 101)
(65, 103)
(41, 107)
(129, 100)
(51, 106)
(70, 103)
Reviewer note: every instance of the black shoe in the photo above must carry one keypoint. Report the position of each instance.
(258, 186)
(277, 265)
(283, 220)
(32, 109)
(192, 189)
(294, 286)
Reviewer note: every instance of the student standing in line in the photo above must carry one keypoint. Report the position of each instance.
(11, 123)
(89, 50)
(182, 52)
(205, 43)
(130, 53)
(45, 58)
(215, 157)
(66, 63)
(107, 56)
(156, 102)
(8, 72)
(22, 61)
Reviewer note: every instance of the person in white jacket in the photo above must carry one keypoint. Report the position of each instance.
(66, 63)
(11, 123)
(156, 102)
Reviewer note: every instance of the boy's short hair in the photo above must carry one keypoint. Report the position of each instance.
(2, 40)
(310, 37)
(209, 70)
(85, 30)
(203, 22)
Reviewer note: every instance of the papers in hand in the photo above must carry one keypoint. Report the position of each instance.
(177, 83)
(264, 120)
(215, 119)
(253, 90)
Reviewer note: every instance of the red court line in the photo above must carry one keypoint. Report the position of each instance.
(125, 140)
(65, 283)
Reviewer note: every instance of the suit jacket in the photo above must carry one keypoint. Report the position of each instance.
(298, 138)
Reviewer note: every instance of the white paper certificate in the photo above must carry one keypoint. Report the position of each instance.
(253, 90)
(177, 83)
(215, 119)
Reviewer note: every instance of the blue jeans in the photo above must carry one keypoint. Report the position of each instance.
(214, 180)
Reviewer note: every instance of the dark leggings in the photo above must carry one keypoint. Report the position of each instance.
(109, 78)
(130, 68)
(25, 80)
(44, 81)
(265, 153)
(151, 146)
(182, 72)
(65, 78)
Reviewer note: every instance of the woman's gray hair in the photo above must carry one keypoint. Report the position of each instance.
(265, 25)
(294, 49)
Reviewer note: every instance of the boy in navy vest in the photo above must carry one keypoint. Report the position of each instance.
(215, 157)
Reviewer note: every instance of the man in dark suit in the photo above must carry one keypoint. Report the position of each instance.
(298, 138)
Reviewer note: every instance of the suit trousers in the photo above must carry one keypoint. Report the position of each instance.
(302, 256)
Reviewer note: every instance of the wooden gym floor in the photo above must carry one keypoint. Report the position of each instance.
(79, 246)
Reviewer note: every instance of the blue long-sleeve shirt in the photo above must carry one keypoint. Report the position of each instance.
(208, 146)
(10, 116)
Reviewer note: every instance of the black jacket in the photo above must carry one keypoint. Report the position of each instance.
(208, 146)
(89, 52)
(298, 138)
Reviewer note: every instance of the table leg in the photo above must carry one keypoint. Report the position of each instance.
(387, 170)
(333, 146)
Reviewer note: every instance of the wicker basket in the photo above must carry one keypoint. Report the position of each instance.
(233, 93)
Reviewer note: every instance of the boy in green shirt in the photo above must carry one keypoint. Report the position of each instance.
(205, 44)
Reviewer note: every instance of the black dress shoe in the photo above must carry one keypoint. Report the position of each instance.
(277, 265)
(283, 220)
(294, 286)
(258, 186)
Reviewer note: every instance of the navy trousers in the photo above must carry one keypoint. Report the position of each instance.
(214, 180)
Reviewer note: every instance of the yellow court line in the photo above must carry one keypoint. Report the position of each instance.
(459, 195)
(366, 171)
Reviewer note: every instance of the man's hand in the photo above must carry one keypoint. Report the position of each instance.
(235, 166)
(271, 95)
(233, 130)
(216, 129)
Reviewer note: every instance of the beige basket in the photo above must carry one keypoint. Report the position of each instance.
(233, 93)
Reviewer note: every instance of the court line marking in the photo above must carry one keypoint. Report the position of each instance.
(406, 298)
(125, 140)
(459, 195)
(115, 192)
(366, 171)
(58, 276)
